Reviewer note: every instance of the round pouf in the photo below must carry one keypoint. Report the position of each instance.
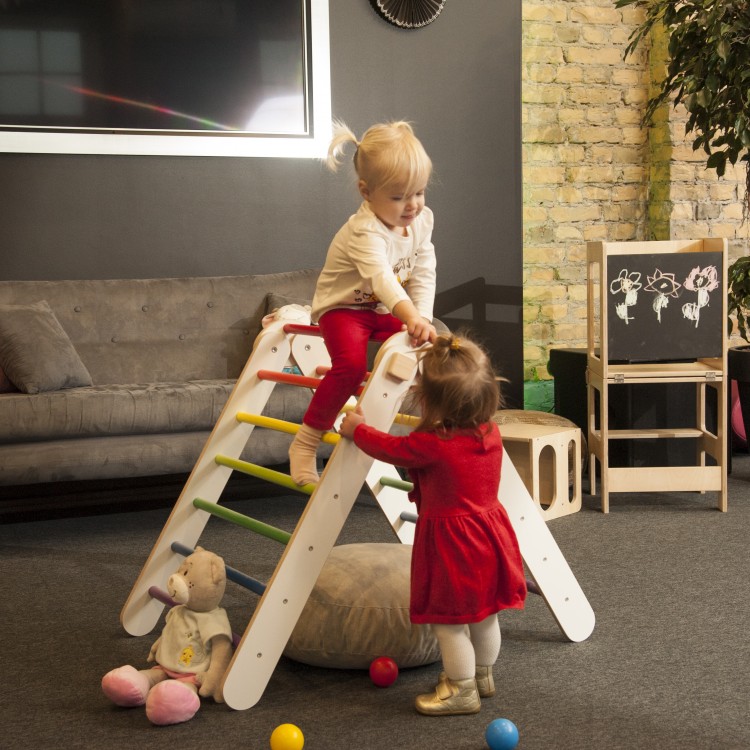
(359, 611)
(529, 416)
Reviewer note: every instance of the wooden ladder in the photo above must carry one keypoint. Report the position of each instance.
(331, 499)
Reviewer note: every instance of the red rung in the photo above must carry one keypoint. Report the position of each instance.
(299, 328)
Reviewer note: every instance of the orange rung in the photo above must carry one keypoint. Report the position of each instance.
(288, 377)
(291, 379)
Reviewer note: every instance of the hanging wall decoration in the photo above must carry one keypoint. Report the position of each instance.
(408, 14)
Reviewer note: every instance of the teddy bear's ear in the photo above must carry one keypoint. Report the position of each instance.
(218, 569)
(199, 549)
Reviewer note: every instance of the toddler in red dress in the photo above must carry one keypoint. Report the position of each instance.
(466, 565)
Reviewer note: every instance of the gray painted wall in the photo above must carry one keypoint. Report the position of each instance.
(457, 80)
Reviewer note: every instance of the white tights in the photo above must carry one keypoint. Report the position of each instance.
(465, 647)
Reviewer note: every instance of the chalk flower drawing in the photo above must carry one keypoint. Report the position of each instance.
(628, 284)
(664, 286)
(702, 281)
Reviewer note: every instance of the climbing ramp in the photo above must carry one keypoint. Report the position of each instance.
(306, 549)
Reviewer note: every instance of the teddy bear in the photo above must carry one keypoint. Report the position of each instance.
(191, 655)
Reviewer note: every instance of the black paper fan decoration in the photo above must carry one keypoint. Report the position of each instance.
(408, 14)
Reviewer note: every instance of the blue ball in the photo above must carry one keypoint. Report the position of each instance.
(501, 734)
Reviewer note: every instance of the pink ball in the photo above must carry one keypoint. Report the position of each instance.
(383, 671)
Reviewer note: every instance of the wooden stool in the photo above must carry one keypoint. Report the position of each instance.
(546, 456)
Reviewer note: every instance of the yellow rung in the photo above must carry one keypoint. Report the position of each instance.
(406, 419)
(281, 425)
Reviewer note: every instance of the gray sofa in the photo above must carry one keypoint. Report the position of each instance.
(125, 378)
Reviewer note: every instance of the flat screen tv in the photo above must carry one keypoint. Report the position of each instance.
(193, 77)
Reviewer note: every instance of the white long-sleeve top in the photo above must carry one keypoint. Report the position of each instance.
(371, 266)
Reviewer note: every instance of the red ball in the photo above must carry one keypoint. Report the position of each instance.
(383, 671)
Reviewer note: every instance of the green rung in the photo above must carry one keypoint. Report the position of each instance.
(269, 475)
(244, 521)
(399, 484)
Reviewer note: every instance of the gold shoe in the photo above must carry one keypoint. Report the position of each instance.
(451, 698)
(485, 681)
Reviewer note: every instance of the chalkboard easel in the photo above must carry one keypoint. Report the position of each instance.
(665, 307)
(657, 314)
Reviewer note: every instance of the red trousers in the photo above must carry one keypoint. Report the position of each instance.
(345, 333)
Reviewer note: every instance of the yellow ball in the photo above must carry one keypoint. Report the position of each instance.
(287, 737)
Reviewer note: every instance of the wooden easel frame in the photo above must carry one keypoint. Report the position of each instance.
(705, 373)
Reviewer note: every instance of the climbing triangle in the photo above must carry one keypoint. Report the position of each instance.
(331, 500)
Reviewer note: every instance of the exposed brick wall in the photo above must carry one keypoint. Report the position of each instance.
(591, 172)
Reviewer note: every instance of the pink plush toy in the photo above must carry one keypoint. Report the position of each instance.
(194, 649)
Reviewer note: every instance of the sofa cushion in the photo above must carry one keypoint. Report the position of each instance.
(5, 385)
(161, 330)
(116, 456)
(35, 352)
(131, 410)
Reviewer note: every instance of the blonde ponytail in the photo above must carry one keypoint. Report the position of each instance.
(342, 135)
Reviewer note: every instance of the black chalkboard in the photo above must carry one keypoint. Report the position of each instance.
(665, 307)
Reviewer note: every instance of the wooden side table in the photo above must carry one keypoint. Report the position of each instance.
(543, 457)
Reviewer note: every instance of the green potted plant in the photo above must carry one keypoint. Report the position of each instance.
(708, 71)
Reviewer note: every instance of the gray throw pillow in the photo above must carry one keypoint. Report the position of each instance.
(35, 352)
(274, 301)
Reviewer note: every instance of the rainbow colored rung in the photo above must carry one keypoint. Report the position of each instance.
(399, 484)
(271, 532)
(281, 425)
(405, 419)
(234, 575)
(270, 423)
(289, 378)
(262, 472)
(303, 329)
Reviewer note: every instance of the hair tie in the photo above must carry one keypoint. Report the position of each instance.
(455, 344)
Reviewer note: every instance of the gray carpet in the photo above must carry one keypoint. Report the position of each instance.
(666, 667)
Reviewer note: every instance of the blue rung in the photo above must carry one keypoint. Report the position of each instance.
(234, 575)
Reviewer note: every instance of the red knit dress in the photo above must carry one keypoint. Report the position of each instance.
(465, 564)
